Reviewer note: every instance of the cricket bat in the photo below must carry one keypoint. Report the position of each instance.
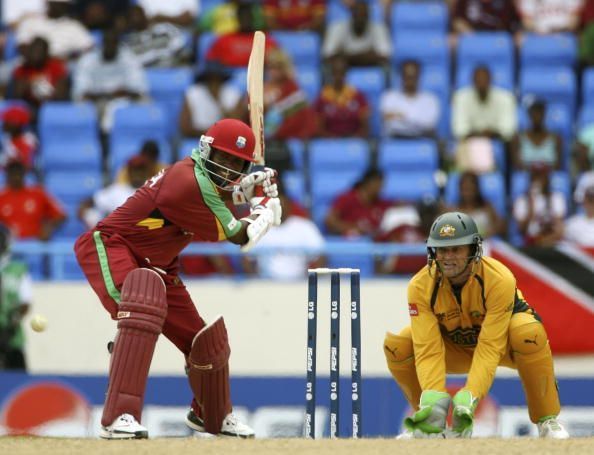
(255, 90)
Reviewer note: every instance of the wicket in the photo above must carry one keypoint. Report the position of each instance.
(310, 393)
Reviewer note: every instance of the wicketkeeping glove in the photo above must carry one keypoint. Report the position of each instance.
(430, 419)
(463, 413)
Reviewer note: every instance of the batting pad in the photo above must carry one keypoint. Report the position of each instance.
(141, 315)
(209, 374)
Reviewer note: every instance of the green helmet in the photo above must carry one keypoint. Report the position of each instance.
(453, 229)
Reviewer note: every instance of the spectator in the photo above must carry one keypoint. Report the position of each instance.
(40, 77)
(586, 46)
(178, 12)
(550, 16)
(67, 37)
(483, 110)
(150, 152)
(359, 211)
(485, 16)
(342, 109)
(473, 203)
(222, 19)
(209, 99)
(233, 49)
(536, 145)
(110, 77)
(585, 148)
(295, 231)
(540, 211)
(288, 114)
(28, 211)
(13, 12)
(160, 44)
(102, 14)
(409, 112)
(15, 301)
(579, 228)
(362, 41)
(18, 142)
(295, 15)
(106, 200)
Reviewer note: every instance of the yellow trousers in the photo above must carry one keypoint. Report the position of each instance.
(526, 353)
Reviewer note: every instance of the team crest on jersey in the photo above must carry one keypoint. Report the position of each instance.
(240, 142)
(447, 230)
(412, 309)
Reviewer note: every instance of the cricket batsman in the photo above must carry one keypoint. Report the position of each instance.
(468, 316)
(131, 261)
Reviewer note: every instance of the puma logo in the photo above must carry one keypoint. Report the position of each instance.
(532, 341)
(391, 351)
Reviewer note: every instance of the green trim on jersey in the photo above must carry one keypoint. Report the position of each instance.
(103, 262)
(12, 274)
(212, 199)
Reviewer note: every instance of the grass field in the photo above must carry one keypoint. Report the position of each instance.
(524, 446)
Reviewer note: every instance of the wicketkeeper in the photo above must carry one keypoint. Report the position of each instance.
(468, 316)
(131, 261)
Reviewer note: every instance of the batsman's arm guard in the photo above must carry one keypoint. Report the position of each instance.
(208, 372)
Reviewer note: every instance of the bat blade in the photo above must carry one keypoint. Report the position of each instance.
(255, 89)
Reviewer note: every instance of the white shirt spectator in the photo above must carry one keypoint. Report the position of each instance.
(470, 114)
(340, 38)
(548, 16)
(170, 7)
(66, 36)
(204, 109)
(579, 229)
(105, 201)
(295, 231)
(14, 11)
(94, 75)
(543, 210)
(159, 45)
(405, 115)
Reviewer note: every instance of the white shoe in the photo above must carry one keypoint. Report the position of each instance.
(552, 429)
(124, 427)
(406, 434)
(231, 426)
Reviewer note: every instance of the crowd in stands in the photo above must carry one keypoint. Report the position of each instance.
(379, 114)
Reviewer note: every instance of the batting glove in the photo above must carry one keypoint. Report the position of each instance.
(430, 419)
(463, 413)
(258, 226)
(256, 184)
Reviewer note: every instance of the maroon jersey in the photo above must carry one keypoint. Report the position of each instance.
(176, 206)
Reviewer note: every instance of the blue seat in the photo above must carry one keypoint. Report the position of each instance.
(185, 147)
(588, 86)
(303, 47)
(140, 120)
(326, 185)
(553, 84)
(426, 16)
(297, 151)
(72, 227)
(71, 270)
(500, 155)
(372, 82)
(558, 119)
(560, 181)
(501, 75)
(239, 79)
(407, 155)
(409, 186)
(121, 151)
(294, 183)
(60, 120)
(35, 265)
(337, 11)
(339, 154)
(310, 80)
(485, 48)
(586, 116)
(363, 262)
(548, 50)
(71, 187)
(167, 87)
(205, 41)
(77, 154)
(429, 49)
(492, 187)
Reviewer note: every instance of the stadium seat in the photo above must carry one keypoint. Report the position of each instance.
(558, 119)
(363, 262)
(407, 155)
(338, 154)
(74, 121)
(428, 16)
(501, 75)
(70, 270)
(586, 116)
(294, 184)
(548, 50)
(71, 187)
(588, 86)
(297, 151)
(239, 79)
(77, 154)
(35, 264)
(121, 151)
(326, 185)
(303, 47)
(337, 11)
(429, 49)
(560, 181)
(409, 186)
(492, 187)
(372, 82)
(485, 48)
(139, 120)
(205, 40)
(72, 227)
(500, 155)
(309, 79)
(553, 84)
(167, 87)
(185, 147)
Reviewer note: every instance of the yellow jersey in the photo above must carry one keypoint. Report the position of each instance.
(475, 316)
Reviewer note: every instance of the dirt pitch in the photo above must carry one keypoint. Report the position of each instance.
(51, 446)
